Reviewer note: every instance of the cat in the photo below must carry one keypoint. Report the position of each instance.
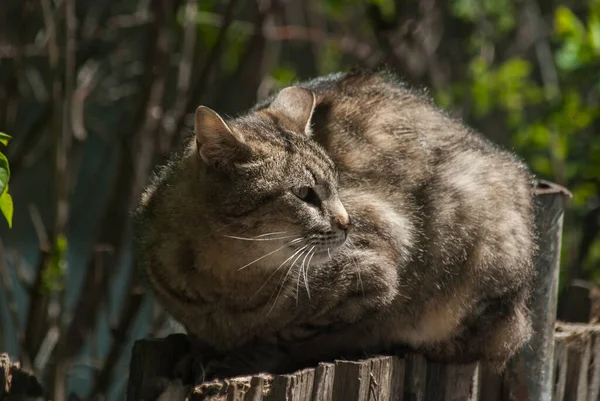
(342, 217)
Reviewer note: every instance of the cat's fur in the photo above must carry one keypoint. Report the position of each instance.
(440, 242)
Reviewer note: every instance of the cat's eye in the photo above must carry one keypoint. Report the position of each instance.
(308, 194)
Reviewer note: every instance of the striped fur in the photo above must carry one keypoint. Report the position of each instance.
(438, 257)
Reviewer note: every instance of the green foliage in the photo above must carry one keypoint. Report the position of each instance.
(580, 42)
(330, 58)
(499, 13)
(284, 76)
(54, 275)
(387, 7)
(506, 87)
(334, 8)
(551, 122)
(6, 203)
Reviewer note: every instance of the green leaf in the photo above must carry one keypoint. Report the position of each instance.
(54, 275)
(4, 138)
(6, 207)
(284, 76)
(443, 98)
(334, 8)
(4, 173)
(514, 69)
(568, 57)
(542, 165)
(387, 7)
(466, 9)
(594, 33)
(566, 23)
(330, 57)
(582, 193)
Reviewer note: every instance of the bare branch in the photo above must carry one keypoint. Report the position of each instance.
(136, 155)
(133, 301)
(543, 51)
(50, 27)
(199, 86)
(62, 184)
(37, 322)
(7, 286)
(184, 77)
(38, 224)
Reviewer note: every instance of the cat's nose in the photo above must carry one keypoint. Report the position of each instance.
(342, 222)
(339, 216)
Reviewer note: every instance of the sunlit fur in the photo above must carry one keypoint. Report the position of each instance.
(438, 256)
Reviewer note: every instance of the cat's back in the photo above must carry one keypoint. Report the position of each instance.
(392, 142)
(370, 123)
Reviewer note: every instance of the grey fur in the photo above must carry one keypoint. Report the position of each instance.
(438, 255)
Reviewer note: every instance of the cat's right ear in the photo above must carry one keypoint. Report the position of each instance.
(217, 143)
(296, 105)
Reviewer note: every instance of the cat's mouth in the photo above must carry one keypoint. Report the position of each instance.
(321, 250)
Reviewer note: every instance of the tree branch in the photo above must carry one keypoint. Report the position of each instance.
(37, 322)
(199, 86)
(136, 155)
(120, 334)
(7, 285)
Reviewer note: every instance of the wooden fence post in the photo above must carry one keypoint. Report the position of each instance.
(529, 375)
(17, 384)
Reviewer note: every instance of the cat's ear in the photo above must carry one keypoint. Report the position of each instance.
(217, 142)
(296, 104)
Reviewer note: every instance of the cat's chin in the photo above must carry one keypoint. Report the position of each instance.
(320, 257)
(324, 255)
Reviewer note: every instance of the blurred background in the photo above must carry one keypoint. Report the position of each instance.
(96, 93)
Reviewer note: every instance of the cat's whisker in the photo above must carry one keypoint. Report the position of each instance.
(259, 239)
(300, 271)
(329, 253)
(271, 253)
(306, 270)
(279, 267)
(273, 233)
(282, 282)
(355, 260)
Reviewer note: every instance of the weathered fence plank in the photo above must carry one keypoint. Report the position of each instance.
(386, 379)
(415, 378)
(256, 391)
(560, 366)
(398, 375)
(577, 363)
(17, 384)
(529, 374)
(490, 384)
(451, 382)
(594, 369)
(351, 381)
(293, 387)
(323, 386)
(152, 365)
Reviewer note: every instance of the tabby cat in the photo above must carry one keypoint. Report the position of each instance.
(344, 216)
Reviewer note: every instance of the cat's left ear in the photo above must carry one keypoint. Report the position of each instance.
(217, 143)
(296, 105)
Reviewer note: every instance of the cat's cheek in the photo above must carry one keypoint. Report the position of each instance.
(310, 220)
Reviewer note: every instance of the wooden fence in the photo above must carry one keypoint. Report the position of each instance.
(576, 364)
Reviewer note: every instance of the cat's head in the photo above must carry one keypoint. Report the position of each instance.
(269, 184)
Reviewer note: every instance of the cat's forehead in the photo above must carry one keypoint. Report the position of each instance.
(283, 148)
